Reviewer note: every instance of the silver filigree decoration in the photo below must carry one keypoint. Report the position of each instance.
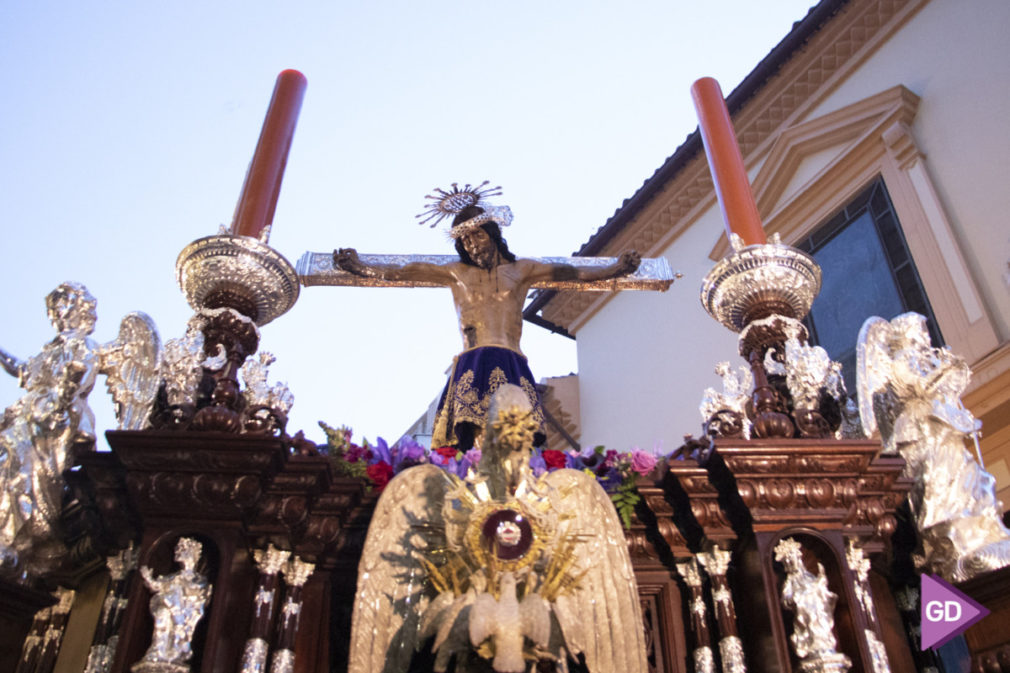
(737, 386)
(878, 654)
(283, 661)
(910, 392)
(121, 564)
(177, 606)
(809, 371)
(271, 560)
(755, 274)
(704, 662)
(731, 650)
(257, 392)
(813, 605)
(690, 572)
(860, 566)
(254, 656)
(131, 364)
(100, 657)
(716, 561)
(297, 572)
(182, 365)
(238, 265)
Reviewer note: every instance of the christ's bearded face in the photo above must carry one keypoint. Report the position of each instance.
(480, 247)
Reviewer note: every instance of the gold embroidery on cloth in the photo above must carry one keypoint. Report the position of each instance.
(463, 404)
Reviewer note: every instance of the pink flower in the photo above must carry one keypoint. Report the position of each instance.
(642, 462)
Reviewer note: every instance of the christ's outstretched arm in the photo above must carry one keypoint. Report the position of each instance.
(626, 264)
(348, 260)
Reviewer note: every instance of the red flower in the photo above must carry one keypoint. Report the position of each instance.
(380, 473)
(554, 460)
(447, 453)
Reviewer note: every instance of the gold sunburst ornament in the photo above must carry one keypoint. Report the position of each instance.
(449, 203)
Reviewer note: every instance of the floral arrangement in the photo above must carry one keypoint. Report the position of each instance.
(617, 472)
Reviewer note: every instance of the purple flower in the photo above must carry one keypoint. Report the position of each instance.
(407, 453)
(473, 455)
(642, 462)
(537, 463)
(591, 462)
(610, 458)
(609, 478)
(380, 452)
(357, 453)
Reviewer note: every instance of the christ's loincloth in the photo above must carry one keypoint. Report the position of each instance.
(476, 374)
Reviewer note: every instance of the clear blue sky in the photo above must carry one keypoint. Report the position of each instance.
(127, 127)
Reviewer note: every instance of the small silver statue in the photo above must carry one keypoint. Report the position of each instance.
(813, 605)
(182, 368)
(177, 606)
(737, 386)
(39, 430)
(911, 392)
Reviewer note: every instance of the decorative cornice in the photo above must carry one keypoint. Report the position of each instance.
(804, 79)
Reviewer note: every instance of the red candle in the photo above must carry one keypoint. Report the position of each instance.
(258, 200)
(736, 200)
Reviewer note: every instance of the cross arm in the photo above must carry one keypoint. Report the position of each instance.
(316, 268)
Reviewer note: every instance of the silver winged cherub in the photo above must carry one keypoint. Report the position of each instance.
(40, 430)
(910, 393)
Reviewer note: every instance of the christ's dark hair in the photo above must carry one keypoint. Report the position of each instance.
(492, 229)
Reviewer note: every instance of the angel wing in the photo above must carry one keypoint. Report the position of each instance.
(131, 364)
(391, 596)
(602, 617)
(873, 366)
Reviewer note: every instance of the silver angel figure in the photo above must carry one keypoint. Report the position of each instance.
(132, 365)
(177, 606)
(38, 431)
(813, 606)
(257, 392)
(182, 365)
(500, 567)
(737, 386)
(910, 392)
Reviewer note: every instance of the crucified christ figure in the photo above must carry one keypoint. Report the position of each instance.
(489, 286)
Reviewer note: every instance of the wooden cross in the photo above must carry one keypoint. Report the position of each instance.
(316, 268)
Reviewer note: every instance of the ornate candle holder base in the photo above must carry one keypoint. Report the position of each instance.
(242, 283)
(762, 291)
(237, 272)
(760, 281)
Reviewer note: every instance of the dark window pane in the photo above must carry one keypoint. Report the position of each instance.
(867, 271)
(857, 284)
(860, 201)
